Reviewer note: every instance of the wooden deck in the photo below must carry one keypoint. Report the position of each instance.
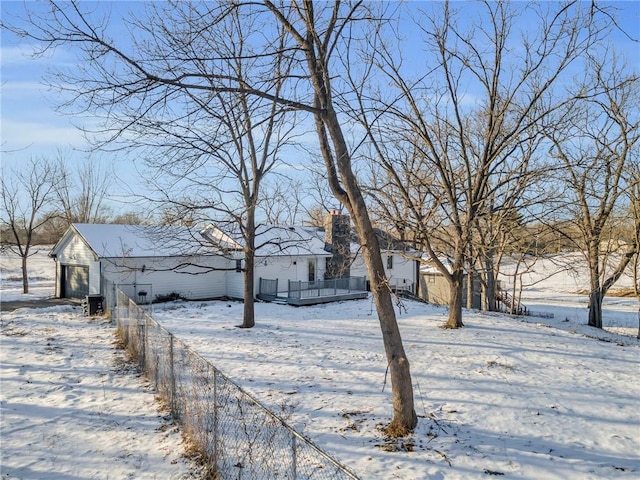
(339, 297)
(313, 293)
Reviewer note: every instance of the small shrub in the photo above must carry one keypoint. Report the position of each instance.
(168, 297)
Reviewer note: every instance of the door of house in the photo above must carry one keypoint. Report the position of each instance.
(75, 281)
(312, 269)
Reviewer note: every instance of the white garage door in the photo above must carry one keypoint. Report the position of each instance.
(76, 281)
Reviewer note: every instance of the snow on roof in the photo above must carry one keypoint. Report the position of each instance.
(289, 240)
(221, 240)
(114, 241)
(273, 240)
(428, 266)
(111, 241)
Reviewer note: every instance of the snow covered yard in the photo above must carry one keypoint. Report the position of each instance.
(502, 396)
(71, 407)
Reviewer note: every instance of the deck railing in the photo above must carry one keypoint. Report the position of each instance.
(322, 288)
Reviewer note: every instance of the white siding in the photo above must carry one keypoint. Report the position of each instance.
(285, 268)
(403, 271)
(235, 284)
(162, 276)
(358, 268)
(321, 267)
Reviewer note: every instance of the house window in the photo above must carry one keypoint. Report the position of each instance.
(312, 270)
(389, 262)
(238, 265)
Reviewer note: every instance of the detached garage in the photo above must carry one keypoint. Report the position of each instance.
(147, 260)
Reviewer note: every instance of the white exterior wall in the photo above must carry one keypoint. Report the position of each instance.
(76, 252)
(285, 268)
(235, 284)
(358, 268)
(402, 273)
(160, 278)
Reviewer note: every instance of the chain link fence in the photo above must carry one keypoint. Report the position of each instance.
(238, 437)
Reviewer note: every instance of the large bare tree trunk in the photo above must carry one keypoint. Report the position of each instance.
(595, 308)
(404, 418)
(344, 185)
(595, 292)
(455, 300)
(469, 285)
(248, 273)
(491, 290)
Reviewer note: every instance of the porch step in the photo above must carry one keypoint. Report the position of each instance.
(506, 299)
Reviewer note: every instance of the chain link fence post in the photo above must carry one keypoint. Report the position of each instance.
(143, 344)
(172, 378)
(294, 460)
(215, 416)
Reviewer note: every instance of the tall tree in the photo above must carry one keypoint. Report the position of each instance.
(322, 34)
(597, 140)
(311, 36)
(634, 211)
(82, 191)
(225, 142)
(27, 194)
(467, 117)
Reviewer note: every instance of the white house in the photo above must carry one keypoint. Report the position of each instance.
(401, 262)
(152, 261)
(332, 251)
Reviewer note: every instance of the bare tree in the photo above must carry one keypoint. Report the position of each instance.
(220, 168)
(634, 210)
(322, 33)
(130, 218)
(597, 140)
(467, 119)
(26, 195)
(284, 202)
(82, 191)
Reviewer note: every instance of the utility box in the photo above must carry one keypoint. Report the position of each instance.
(92, 305)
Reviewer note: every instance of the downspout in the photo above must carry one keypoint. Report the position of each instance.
(56, 292)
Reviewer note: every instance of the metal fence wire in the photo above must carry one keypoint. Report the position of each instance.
(239, 437)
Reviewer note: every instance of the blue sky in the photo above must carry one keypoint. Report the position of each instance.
(31, 125)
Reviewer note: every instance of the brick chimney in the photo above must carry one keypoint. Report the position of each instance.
(337, 240)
